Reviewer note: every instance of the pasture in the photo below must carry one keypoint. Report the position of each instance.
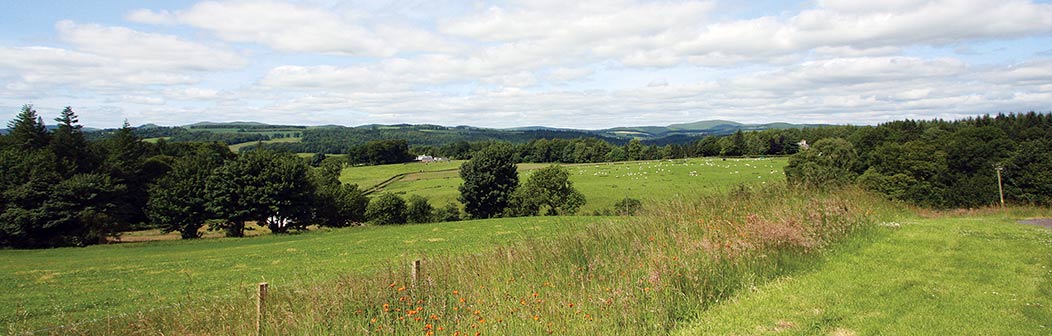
(603, 184)
(42, 288)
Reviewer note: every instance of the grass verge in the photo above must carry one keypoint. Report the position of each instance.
(962, 273)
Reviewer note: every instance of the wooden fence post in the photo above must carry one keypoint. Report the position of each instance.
(261, 308)
(415, 272)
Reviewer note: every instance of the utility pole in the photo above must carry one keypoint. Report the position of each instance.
(1000, 188)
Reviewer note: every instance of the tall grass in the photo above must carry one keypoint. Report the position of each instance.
(639, 277)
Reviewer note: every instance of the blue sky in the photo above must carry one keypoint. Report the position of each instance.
(582, 64)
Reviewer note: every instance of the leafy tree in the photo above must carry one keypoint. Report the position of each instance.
(490, 178)
(420, 210)
(827, 163)
(387, 209)
(258, 186)
(27, 130)
(179, 201)
(548, 191)
(336, 204)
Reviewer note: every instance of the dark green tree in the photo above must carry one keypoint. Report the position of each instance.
(419, 210)
(386, 209)
(634, 150)
(270, 188)
(27, 130)
(490, 178)
(336, 204)
(70, 146)
(179, 201)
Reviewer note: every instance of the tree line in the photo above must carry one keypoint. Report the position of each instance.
(938, 163)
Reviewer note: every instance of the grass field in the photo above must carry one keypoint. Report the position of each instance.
(949, 275)
(43, 288)
(603, 184)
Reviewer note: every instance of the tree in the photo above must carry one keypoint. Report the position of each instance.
(267, 187)
(124, 162)
(420, 210)
(178, 200)
(336, 204)
(27, 130)
(490, 178)
(548, 191)
(69, 144)
(634, 150)
(317, 159)
(736, 146)
(387, 209)
(827, 163)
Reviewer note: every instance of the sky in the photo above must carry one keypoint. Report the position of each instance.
(580, 64)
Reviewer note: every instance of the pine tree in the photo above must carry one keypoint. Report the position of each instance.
(28, 130)
(69, 144)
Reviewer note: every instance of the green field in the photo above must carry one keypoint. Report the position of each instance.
(603, 184)
(952, 275)
(68, 285)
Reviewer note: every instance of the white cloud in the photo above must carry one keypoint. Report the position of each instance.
(296, 28)
(146, 50)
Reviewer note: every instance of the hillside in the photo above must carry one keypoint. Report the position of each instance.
(320, 138)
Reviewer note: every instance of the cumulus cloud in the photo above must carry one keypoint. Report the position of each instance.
(297, 28)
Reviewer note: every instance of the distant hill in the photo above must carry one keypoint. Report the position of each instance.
(675, 133)
(695, 129)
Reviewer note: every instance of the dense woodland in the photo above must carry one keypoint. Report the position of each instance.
(62, 187)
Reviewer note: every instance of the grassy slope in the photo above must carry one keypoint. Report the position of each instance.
(49, 287)
(981, 275)
(603, 184)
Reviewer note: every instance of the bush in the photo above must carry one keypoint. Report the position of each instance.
(448, 213)
(386, 209)
(420, 210)
(628, 207)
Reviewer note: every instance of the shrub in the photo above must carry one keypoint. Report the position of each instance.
(386, 209)
(420, 210)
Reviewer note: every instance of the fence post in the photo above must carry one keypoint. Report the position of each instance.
(415, 272)
(261, 308)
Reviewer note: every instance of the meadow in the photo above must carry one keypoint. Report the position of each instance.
(603, 184)
(66, 286)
